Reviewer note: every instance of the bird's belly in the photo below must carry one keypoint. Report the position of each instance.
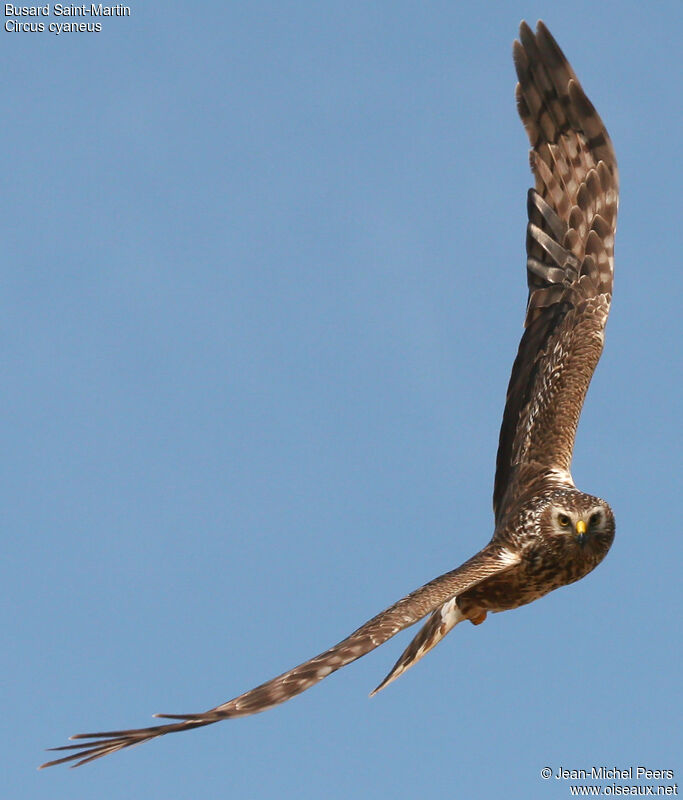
(511, 589)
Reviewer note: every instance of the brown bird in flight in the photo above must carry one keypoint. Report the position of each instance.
(547, 533)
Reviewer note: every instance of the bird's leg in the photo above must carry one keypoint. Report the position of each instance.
(478, 618)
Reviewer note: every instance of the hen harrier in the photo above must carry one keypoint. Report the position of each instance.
(547, 533)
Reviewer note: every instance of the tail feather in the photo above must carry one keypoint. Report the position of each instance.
(441, 622)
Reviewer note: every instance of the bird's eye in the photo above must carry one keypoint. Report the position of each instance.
(563, 519)
(595, 519)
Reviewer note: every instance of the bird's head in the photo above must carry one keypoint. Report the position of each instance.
(578, 527)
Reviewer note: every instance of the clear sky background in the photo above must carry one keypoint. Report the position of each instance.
(262, 286)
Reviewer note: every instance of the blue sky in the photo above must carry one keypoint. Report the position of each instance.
(263, 285)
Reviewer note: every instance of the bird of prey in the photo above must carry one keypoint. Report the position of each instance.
(547, 533)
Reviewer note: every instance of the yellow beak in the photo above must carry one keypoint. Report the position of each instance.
(581, 527)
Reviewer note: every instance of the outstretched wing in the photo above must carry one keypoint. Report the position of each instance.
(490, 561)
(570, 255)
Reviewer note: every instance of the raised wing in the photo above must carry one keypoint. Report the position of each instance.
(490, 561)
(570, 259)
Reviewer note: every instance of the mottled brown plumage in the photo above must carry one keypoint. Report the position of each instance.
(547, 533)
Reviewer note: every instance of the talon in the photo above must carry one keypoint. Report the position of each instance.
(478, 619)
